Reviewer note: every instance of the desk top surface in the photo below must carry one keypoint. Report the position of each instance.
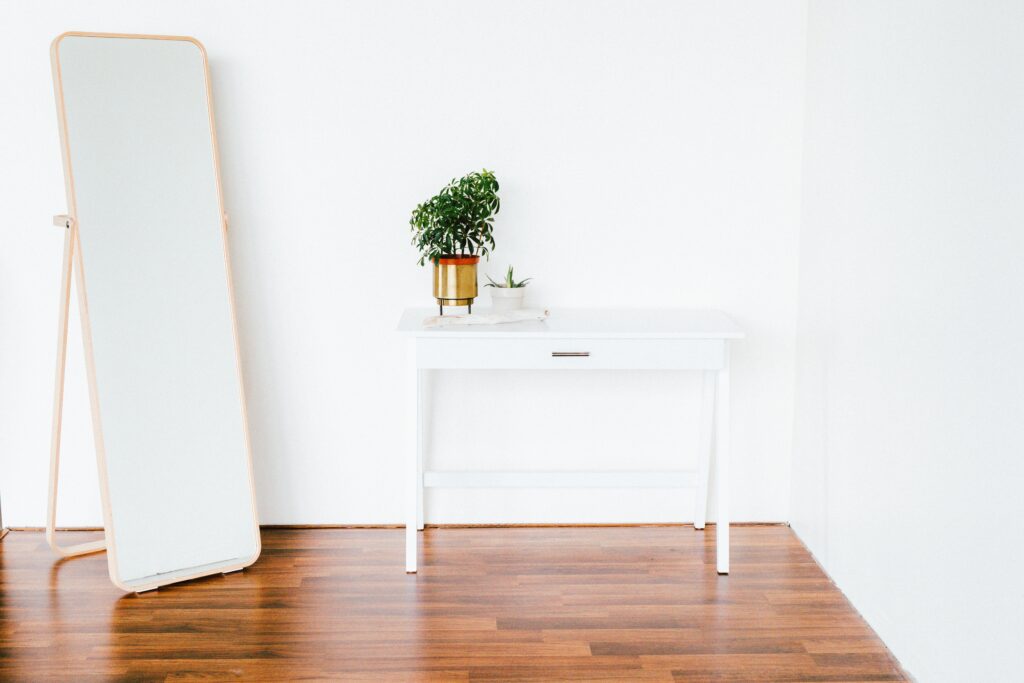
(607, 323)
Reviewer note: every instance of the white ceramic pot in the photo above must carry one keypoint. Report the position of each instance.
(507, 298)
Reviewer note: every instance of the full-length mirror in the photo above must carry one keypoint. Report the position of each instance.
(147, 241)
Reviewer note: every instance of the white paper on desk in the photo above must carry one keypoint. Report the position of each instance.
(486, 318)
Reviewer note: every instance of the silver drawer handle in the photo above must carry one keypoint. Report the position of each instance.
(570, 354)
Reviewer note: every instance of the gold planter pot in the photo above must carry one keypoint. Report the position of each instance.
(455, 281)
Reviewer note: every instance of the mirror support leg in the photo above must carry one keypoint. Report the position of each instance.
(58, 405)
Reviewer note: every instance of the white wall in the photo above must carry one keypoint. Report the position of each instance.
(649, 155)
(910, 392)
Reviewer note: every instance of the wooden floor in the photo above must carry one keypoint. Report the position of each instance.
(619, 603)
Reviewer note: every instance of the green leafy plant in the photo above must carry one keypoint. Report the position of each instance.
(508, 282)
(459, 220)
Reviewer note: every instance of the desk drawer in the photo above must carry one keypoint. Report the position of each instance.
(571, 354)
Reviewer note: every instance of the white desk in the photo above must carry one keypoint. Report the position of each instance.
(580, 339)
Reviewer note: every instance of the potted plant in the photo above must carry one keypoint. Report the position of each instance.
(507, 295)
(453, 230)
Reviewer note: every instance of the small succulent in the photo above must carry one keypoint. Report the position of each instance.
(508, 282)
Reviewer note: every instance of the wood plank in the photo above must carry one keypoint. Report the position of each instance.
(510, 603)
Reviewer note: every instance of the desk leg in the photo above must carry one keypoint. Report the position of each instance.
(420, 445)
(722, 465)
(412, 392)
(707, 423)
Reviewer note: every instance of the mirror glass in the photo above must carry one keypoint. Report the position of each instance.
(166, 389)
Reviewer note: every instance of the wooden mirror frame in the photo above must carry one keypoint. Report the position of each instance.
(72, 263)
